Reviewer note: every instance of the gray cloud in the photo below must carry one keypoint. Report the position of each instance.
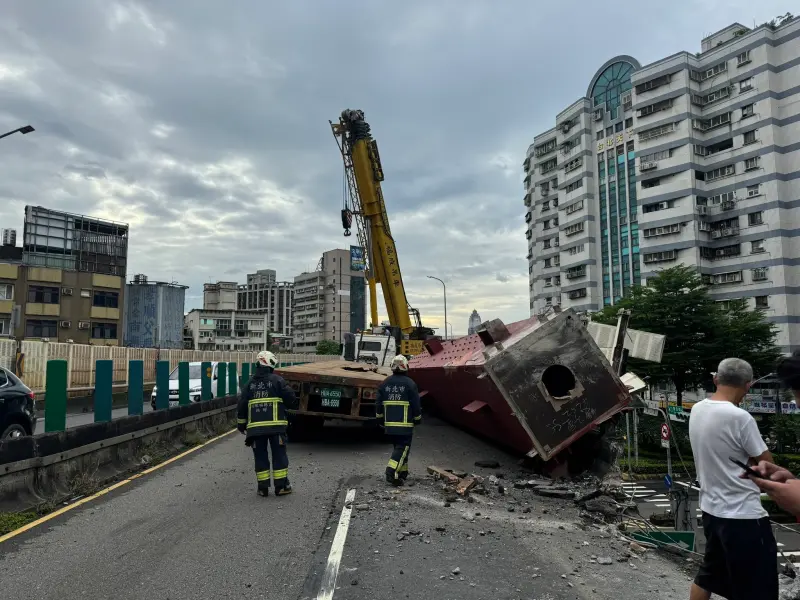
(206, 127)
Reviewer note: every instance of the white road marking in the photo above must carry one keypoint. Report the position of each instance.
(662, 505)
(335, 557)
(788, 553)
(658, 498)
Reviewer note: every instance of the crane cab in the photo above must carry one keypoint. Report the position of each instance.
(371, 348)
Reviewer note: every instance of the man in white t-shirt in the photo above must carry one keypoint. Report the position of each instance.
(740, 561)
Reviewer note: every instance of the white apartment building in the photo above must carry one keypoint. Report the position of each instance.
(694, 159)
(236, 330)
(329, 301)
(264, 293)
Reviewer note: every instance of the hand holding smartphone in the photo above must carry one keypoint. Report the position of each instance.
(750, 472)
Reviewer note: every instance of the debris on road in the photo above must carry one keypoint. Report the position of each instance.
(487, 464)
(443, 474)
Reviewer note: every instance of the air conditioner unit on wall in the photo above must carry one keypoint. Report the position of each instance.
(67, 291)
(65, 324)
(83, 325)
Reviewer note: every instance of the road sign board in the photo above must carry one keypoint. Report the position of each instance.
(664, 435)
(668, 481)
(674, 409)
(651, 412)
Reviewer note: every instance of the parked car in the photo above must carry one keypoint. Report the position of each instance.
(194, 384)
(17, 407)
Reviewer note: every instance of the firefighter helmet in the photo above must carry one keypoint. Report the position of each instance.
(267, 359)
(399, 363)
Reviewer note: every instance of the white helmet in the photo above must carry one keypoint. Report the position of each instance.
(267, 359)
(399, 363)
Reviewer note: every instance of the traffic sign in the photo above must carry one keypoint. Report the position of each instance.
(664, 435)
(668, 481)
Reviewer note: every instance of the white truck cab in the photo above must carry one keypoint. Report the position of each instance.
(373, 348)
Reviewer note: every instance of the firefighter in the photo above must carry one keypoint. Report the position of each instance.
(399, 407)
(262, 417)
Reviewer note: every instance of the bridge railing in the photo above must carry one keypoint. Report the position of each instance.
(82, 358)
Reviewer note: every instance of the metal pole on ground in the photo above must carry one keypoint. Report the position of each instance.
(103, 390)
(55, 396)
(636, 437)
(206, 372)
(162, 384)
(135, 387)
(628, 439)
(183, 383)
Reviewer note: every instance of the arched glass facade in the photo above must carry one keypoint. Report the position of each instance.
(614, 81)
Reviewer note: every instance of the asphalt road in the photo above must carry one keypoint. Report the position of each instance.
(196, 529)
(76, 419)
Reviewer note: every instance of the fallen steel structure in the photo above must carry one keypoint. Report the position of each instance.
(536, 386)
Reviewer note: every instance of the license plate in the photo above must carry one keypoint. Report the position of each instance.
(330, 398)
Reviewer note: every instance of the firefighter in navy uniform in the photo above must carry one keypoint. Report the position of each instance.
(262, 417)
(399, 407)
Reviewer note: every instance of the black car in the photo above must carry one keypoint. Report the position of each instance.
(17, 407)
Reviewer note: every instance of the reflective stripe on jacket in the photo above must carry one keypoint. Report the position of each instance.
(398, 405)
(262, 404)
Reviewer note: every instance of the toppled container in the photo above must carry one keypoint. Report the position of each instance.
(534, 386)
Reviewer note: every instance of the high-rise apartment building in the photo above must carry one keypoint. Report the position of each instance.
(329, 301)
(263, 292)
(153, 315)
(474, 322)
(690, 160)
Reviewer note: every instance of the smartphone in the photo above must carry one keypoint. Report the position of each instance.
(747, 469)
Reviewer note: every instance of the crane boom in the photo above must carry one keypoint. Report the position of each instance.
(366, 205)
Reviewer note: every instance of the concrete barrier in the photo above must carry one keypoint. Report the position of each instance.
(52, 467)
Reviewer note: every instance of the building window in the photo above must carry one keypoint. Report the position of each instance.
(725, 171)
(752, 163)
(618, 127)
(545, 244)
(628, 122)
(106, 299)
(548, 282)
(757, 246)
(574, 186)
(207, 322)
(748, 110)
(574, 207)
(656, 132)
(5, 326)
(40, 328)
(746, 84)
(576, 249)
(43, 295)
(6, 291)
(104, 331)
(755, 218)
(753, 190)
(750, 137)
(600, 135)
(743, 58)
(573, 229)
(762, 302)
(548, 262)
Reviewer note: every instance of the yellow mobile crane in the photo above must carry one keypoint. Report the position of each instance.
(364, 203)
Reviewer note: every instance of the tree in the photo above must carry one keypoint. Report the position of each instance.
(699, 333)
(327, 347)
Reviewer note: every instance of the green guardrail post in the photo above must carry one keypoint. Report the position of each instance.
(245, 374)
(162, 384)
(222, 385)
(55, 396)
(183, 383)
(135, 387)
(233, 381)
(206, 371)
(103, 389)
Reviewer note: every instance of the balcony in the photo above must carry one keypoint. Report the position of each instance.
(649, 165)
(575, 272)
(724, 232)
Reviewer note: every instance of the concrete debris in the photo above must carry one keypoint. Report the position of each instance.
(362, 506)
(400, 537)
(605, 505)
(493, 479)
(456, 571)
(551, 492)
(465, 485)
(637, 548)
(789, 589)
(443, 474)
(604, 560)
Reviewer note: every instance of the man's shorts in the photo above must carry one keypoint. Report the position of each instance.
(741, 559)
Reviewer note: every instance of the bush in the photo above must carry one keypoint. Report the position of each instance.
(327, 347)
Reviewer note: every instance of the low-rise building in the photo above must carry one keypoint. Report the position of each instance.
(236, 330)
(60, 305)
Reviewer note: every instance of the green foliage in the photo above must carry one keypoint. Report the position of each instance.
(699, 333)
(11, 521)
(327, 347)
(786, 429)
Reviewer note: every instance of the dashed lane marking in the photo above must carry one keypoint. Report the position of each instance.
(103, 492)
(335, 557)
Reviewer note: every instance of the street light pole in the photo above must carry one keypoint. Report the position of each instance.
(23, 130)
(450, 325)
(444, 289)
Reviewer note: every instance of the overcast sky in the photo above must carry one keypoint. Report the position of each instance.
(204, 124)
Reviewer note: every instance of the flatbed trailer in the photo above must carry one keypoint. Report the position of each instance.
(336, 389)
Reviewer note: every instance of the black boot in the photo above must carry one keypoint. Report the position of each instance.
(263, 492)
(285, 490)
